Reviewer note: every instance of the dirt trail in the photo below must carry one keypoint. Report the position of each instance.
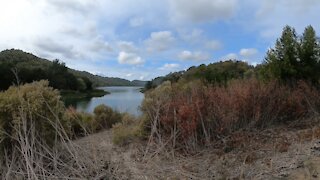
(116, 159)
(278, 154)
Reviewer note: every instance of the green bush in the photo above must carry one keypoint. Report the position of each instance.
(106, 117)
(80, 123)
(129, 129)
(34, 104)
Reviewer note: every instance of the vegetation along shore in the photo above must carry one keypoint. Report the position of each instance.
(223, 120)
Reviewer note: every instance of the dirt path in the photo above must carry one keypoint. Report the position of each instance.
(276, 155)
(116, 159)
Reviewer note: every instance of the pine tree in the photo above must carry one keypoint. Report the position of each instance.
(283, 61)
(309, 55)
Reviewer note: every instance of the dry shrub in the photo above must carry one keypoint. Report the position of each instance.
(80, 123)
(106, 117)
(190, 114)
(34, 139)
(38, 102)
(129, 129)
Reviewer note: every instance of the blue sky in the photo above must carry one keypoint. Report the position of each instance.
(143, 39)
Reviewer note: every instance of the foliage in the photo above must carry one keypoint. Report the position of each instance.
(40, 104)
(60, 78)
(128, 129)
(106, 116)
(192, 114)
(219, 73)
(294, 58)
(31, 68)
(80, 123)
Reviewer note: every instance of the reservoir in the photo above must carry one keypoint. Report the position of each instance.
(121, 98)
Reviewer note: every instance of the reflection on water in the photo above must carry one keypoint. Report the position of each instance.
(123, 99)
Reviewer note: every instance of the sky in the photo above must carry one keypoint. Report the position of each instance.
(143, 39)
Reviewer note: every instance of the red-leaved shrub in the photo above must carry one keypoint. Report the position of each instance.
(192, 114)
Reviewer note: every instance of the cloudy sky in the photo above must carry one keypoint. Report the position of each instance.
(142, 39)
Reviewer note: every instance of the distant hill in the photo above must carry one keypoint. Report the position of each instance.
(107, 81)
(36, 67)
(218, 73)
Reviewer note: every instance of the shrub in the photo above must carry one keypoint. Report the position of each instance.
(34, 104)
(106, 117)
(34, 142)
(129, 129)
(192, 114)
(80, 123)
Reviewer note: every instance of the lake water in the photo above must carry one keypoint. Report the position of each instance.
(123, 99)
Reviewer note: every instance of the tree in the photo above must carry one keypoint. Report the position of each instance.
(60, 78)
(7, 76)
(309, 55)
(283, 61)
(88, 83)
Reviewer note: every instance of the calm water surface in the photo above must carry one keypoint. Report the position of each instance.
(123, 99)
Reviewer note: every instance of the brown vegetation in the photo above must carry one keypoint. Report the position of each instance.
(36, 136)
(188, 115)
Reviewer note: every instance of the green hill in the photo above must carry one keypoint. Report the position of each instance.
(218, 73)
(31, 68)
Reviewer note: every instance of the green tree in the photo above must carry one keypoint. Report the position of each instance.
(60, 78)
(6, 75)
(88, 83)
(283, 59)
(309, 55)
(81, 85)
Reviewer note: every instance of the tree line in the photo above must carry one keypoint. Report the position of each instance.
(293, 58)
(18, 66)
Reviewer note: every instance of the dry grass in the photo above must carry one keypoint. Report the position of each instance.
(275, 153)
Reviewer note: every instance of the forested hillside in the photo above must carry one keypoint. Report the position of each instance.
(29, 68)
(219, 73)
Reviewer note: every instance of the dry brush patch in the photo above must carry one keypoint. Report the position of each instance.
(276, 152)
(35, 138)
(186, 116)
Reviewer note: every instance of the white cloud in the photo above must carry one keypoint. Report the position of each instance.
(136, 22)
(194, 56)
(202, 10)
(129, 58)
(141, 78)
(76, 6)
(160, 41)
(127, 46)
(231, 56)
(53, 49)
(101, 46)
(270, 16)
(168, 66)
(214, 45)
(85, 31)
(248, 53)
(191, 36)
